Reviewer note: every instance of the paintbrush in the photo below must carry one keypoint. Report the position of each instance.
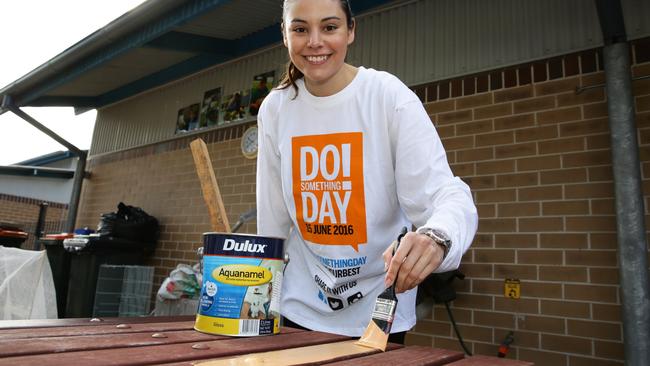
(376, 334)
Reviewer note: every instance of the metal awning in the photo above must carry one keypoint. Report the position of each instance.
(158, 42)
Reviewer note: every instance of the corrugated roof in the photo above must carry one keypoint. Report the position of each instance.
(154, 44)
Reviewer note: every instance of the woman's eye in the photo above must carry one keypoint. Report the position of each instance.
(330, 28)
(299, 30)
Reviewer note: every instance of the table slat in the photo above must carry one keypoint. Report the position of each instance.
(411, 355)
(47, 323)
(154, 355)
(480, 360)
(96, 330)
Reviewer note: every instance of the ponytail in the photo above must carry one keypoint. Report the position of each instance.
(291, 74)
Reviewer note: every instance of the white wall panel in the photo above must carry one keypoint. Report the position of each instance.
(419, 41)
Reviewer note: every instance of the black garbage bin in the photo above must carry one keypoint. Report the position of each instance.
(87, 255)
(59, 260)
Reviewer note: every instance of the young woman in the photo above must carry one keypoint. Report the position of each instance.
(347, 157)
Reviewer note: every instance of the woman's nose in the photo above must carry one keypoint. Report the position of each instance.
(315, 39)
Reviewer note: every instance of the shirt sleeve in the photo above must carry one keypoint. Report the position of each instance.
(272, 216)
(430, 195)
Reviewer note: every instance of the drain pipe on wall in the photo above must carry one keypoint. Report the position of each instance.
(631, 231)
(80, 172)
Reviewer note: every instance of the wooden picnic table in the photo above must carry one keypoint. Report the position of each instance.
(173, 341)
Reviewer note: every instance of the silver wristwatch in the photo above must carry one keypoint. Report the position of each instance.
(439, 238)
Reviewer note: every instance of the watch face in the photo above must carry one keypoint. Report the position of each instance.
(249, 143)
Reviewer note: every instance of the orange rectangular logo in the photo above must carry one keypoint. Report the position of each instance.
(328, 188)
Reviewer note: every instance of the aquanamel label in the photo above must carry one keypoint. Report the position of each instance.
(242, 275)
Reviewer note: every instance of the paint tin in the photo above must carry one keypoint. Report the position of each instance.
(242, 279)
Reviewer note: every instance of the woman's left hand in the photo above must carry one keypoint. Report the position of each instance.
(416, 258)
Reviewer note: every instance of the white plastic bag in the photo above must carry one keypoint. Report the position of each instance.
(26, 285)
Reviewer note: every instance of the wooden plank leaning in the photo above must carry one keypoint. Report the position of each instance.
(211, 194)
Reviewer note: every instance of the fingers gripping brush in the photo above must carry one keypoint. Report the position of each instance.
(376, 334)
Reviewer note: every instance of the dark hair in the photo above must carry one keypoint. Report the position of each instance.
(291, 72)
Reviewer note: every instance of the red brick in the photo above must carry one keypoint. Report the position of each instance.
(588, 361)
(474, 127)
(563, 176)
(557, 116)
(604, 276)
(441, 106)
(596, 142)
(457, 143)
(541, 290)
(540, 193)
(474, 101)
(502, 320)
(596, 293)
(584, 159)
(563, 240)
(590, 258)
(570, 309)
(606, 349)
(480, 182)
(591, 223)
(534, 104)
(511, 94)
(562, 273)
(490, 287)
(516, 240)
(497, 225)
(561, 145)
(517, 121)
(454, 117)
(539, 163)
(463, 169)
(413, 339)
(565, 208)
(528, 256)
(517, 180)
(587, 96)
(515, 271)
(594, 110)
(541, 224)
(492, 111)
(518, 209)
(486, 153)
(543, 357)
(496, 138)
(557, 86)
(481, 334)
(432, 327)
(515, 150)
(497, 195)
(603, 240)
(486, 210)
(536, 133)
(528, 306)
(541, 324)
(476, 270)
(483, 240)
(585, 127)
(592, 329)
(643, 103)
(606, 312)
(603, 207)
(497, 166)
(566, 344)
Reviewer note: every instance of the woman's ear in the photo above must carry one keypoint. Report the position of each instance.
(351, 32)
(284, 35)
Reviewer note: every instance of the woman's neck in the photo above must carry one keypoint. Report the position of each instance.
(335, 84)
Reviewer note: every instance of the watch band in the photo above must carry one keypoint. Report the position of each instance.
(439, 238)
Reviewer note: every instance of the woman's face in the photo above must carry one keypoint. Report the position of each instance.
(316, 34)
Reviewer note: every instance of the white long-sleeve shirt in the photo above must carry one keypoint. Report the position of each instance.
(339, 176)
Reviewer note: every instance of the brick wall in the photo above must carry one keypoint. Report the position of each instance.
(537, 157)
(162, 180)
(23, 211)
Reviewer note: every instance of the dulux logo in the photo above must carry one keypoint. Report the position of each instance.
(247, 246)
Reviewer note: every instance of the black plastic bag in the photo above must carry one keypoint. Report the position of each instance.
(129, 222)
